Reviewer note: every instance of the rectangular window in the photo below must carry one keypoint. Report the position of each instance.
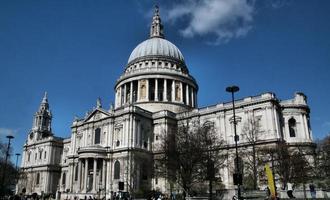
(97, 139)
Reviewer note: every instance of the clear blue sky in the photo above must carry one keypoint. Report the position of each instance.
(76, 50)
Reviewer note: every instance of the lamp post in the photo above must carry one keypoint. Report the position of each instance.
(237, 175)
(3, 184)
(17, 155)
(17, 173)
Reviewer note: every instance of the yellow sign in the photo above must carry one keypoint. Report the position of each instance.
(271, 184)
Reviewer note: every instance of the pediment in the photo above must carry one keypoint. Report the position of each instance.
(96, 115)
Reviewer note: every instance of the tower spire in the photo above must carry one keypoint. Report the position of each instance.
(45, 99)
(156, 29)
(44, 103)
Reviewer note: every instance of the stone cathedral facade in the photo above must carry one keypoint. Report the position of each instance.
(113, 149)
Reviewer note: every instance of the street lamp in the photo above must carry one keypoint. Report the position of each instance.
(3, 186)
(237, 175)
(17, 155)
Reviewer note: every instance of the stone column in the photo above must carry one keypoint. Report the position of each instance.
(195, 98)
(173, 90)
(187, 94)
(71, 176)
(131, 92)
(156, 89)
(82, 177)
(308, 135)
(117, 98)
(267, 120)
(277, 126)
(79, 175)
(181, 92)
(86, 174)
(125, 93)
(103, 173)
(165, 90)
(192, 97)
(120, 96)
(94, 174)
(138, 91)
(147, 89)
(304, 126)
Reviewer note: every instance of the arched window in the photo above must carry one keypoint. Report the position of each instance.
(63, 178)
(117, 170)
(292, 127)
(97, 136)
(38, 179)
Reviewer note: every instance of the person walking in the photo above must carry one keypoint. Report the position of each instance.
(289, 187)
(312, 190)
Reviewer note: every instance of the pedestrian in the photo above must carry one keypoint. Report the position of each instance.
(312, 190)
(290, 190)
(268, 192)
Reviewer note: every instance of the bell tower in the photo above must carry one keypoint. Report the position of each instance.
(43, 118)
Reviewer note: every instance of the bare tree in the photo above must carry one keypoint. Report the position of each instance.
(322, 162)
(251, 132)
(278, 155)
(8, 172)
(138, 168)
(214, 155)
(300, 168)
(191, 154)
(291, 163)
(183, 160)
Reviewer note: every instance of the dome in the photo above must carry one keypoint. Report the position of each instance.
(156, 46)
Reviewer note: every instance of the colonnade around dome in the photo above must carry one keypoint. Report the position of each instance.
(153, 89)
